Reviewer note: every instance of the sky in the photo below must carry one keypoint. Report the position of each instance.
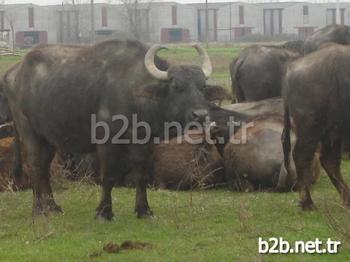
(51, 2)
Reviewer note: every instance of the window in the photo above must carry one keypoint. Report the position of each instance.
(331, 16)
(241, 14)
(273, 21)
(104, 16)
(305, 14)
(31, 17)
(212, 24)
(342, 14)
(2, 20)
(174, 14)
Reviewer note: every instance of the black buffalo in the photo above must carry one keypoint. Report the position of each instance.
(257, 72)
(5, 114)
(317, 99)
(296, 45)
(57, 89)
(339, 34)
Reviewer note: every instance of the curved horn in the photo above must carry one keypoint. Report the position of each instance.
(150, 65)
(206, 66)
(6, 125)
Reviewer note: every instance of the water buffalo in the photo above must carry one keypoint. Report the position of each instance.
(5, 114)
(186, 165)
(53, 102)
(217, 94)
(176, 164)
(257, 72)
(339, 34)
(296, 45)
(257, 163)
(317, 98)
(258, 108)
(5, 162)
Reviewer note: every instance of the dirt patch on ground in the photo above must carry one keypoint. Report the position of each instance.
(126, 245)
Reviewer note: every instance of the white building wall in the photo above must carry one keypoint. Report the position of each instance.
(187, 18)
(161, 17)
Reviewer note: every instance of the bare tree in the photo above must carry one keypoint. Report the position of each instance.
(136, 13)
(11, 18)
(74, 4)
(75, 9)
(138, 17)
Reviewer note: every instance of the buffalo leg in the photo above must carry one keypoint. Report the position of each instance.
(142, 208)
(17, 168)
(143, 172)
(303, 155)
(331, 160)
(39, 156)
(111, 170)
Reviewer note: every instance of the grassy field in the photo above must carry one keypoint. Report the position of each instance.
(211, 225)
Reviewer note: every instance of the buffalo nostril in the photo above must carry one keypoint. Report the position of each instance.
(200, 114)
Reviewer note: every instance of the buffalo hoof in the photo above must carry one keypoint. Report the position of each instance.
(42, 207)
(104, 214)
(307, 206)
(105, 217)
(346, 204)
(145, 214)
(39, 212)
(54, 208)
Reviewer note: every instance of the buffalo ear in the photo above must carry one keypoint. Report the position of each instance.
(155, 91)
(216, 93)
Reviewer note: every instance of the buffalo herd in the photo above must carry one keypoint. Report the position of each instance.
(78, 103)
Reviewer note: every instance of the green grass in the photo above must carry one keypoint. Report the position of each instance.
(221, 58)
(7, 61)
(212, 225)
(194, 226)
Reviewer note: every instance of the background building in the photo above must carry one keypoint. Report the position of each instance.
(27, 24)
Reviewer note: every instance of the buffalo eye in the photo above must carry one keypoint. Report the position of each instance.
(178, 88)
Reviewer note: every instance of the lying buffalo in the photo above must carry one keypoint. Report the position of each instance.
(6, 163)
(5, 114)
(317, 99)
(296, 45)
(217, 94)
(54, 100)
(258, 71)
(187, 165)
(339, 34)
(257, 162)
(258, 108)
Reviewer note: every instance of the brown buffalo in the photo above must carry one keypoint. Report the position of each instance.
(178, 166)
(185, 165)
(6, 163)
(317, 100)
(258, 162)
(258, 108)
